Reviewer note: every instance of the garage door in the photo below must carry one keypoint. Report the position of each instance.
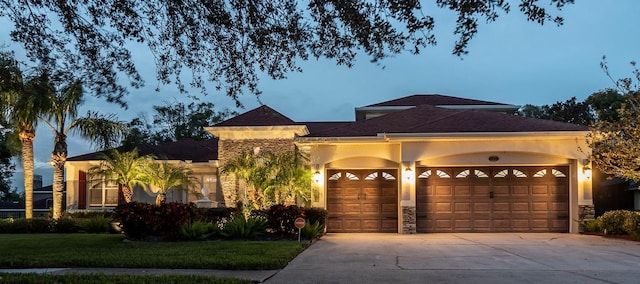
(494, 199)
(360, 201)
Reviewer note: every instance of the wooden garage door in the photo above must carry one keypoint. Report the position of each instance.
(360, 201)
(494, 199)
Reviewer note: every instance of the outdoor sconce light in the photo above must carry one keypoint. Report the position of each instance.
(587, 172)
(407, 173)
(316, 176)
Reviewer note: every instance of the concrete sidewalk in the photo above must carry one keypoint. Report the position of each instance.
(257, 276)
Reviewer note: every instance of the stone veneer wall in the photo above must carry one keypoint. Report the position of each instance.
(586, 212)
(228, 149)
(408, 219)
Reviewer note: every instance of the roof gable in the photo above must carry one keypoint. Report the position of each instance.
(434, 100)
(260, 116)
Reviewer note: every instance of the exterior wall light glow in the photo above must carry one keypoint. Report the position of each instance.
(316, 176)
(587, 172)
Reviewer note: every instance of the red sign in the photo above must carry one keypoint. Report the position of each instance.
(300, 222)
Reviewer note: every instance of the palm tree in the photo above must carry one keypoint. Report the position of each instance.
(126, 168)
(21, 104)
(166, 176)
(62, 117)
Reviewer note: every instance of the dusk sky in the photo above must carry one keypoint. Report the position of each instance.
(510, 61)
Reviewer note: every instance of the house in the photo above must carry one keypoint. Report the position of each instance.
(42, 201)
(422, 163)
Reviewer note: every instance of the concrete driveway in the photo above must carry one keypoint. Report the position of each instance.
(465, 258)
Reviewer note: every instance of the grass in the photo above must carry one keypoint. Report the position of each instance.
(103, 278)
(105, 250)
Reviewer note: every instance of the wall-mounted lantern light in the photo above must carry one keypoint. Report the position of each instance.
(316, 176)
(587, 172)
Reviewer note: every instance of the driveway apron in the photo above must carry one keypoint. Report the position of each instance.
(465, 258)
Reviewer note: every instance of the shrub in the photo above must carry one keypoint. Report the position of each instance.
(311, 231)
(613, 221)
(213, 215)
(281, 218)
(632, 224)
(66, 225)
(592, 226)
(142, 221)
(87, 214)
(28, 226)
(315, 214)
(96, 225)
(240, 227)
(198, 230)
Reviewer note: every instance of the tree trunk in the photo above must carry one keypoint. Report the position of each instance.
(58, 157)
(26, 139)
(161, 198)
(127, 193)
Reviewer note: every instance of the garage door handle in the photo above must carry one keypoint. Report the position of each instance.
(365, 196)
(358, 196)
(491, 194)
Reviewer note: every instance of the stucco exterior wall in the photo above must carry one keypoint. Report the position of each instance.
(404, 154)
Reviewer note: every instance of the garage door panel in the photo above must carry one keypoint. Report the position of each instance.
(362, 201)
(463, 207)
(461, 191)
(539, 190)
(520, 190)
(519, 199)
(482, 207)
(444, 190)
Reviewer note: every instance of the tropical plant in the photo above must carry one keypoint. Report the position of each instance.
(21, 103)
(166, 176)
(198, 230)
(125, 168)
(61, 115)
(271, 178)
(241, 227)
(311, 231)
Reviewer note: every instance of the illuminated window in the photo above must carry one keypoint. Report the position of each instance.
(540, 173)
(388, 176)
(351, 176)
(371, 176)
(502, 173)
(481, 174)
(442, 174)
(558, 173)
(425, 174)
(463, 174)
(103, 193)
(519, 174)
(335, 176)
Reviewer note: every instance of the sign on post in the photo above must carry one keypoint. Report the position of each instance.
(299, 222)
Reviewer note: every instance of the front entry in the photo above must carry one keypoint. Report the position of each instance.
(492, 199)
(362, 201)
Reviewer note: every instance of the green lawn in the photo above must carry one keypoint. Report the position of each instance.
(119, 279)
(103, 250)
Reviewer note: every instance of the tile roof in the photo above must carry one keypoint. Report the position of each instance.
(430, 119)
(182, 150)
(260, 116)
(434, 100)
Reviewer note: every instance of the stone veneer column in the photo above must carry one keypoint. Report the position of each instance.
(408, 219)
(231, 148)
(585, 212)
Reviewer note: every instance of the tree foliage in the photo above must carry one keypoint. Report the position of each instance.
(173, 122)
(7, 151)
(166, 176)
(615, 143)
(231, 43)
(570, 111)
(125, 168)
